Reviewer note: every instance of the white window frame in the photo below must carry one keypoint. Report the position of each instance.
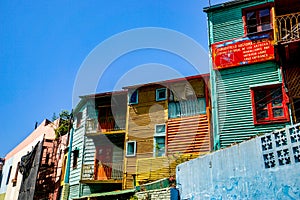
(134, 148)
(156, 134)
(137, 97)
(158, 90)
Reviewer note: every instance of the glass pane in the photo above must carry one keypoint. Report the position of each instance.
(260, 99)
(130, 148)
(278, 112)
(262, 114)
(276, 97)
(133, 97)
(160, 146)
(264, 16)
(251, 22)
(161, 128)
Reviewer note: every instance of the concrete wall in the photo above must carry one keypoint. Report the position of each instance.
(266, 167)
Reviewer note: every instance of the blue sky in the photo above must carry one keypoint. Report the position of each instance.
(43, 45)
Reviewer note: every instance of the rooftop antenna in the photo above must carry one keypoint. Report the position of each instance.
(209, 3)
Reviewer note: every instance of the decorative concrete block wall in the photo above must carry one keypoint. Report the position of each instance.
(266, 167)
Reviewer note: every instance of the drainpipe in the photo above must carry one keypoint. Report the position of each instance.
(67, 175)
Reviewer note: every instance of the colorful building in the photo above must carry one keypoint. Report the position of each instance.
(287, 35)
(168, 122)
(97, 145)
(248, 92)
(32, 169)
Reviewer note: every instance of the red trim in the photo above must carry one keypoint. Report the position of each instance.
(270, 119)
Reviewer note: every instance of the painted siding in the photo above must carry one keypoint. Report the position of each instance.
(188, 135)
(74, 191)
(141, 127)
(227, 23)
(78, 143)
(6, 166)
(234, 102)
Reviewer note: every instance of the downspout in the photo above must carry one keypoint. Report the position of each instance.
(67, 175)
(214, 103)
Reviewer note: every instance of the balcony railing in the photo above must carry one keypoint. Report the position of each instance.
(288, 27)
(104, 126)
(102, 172)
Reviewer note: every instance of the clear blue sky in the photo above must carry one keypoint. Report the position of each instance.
(44, 43)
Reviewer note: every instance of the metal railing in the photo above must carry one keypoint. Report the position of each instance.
(105, 125)
(103, 171)
(288, 27)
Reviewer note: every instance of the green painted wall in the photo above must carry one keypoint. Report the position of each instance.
(235, 116)
(227, 23)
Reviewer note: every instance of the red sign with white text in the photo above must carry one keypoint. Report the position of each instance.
(242, 51)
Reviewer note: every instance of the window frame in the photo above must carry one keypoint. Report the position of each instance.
(79, 119)
(160, 133)
(134, 148)
(130, 93)
(75, 158)
(256, 9)
(155, 151)
(157, 92)
(270, 119)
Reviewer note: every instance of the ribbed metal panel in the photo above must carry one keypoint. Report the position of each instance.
(89, 151)
(188, 135)
(234, 101)
(228, 23)
(74, 191)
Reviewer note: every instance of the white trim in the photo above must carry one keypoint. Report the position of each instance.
(265, 84)
(134, 148)
(162, 133)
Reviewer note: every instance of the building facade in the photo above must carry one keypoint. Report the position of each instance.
(248, 91)
(168, 123)
(97, 146)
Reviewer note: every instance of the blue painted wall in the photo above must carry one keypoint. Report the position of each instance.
(266, 167)
(5, 171)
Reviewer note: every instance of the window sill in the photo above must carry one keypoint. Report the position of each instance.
(271, 121)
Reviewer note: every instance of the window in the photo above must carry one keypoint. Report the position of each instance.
(75, 157)
(187, 108)
(159, 146)
(159, 140)
(160, 129)
(161, 94)
(257, 20)
(269, 104)
(130, 148)
(78, 119)
(8, 176)
(16, 175)
(133, 97)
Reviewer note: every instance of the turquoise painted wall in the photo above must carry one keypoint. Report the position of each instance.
(235, 118)
(227, 23)
(230, 88)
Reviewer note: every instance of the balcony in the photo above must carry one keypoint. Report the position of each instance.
(105, 126)
(288, 27)
(102, 173)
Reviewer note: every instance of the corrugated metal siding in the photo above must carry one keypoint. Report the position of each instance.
(228, 23)
(74, 191)
(89, 151)
(188, 135)
(234, 101)
(78, 142)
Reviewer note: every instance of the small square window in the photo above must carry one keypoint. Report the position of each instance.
(133, 97)
(269, 105)
(130, 148)
(78, 119)
(160, 129)
(161, 94)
